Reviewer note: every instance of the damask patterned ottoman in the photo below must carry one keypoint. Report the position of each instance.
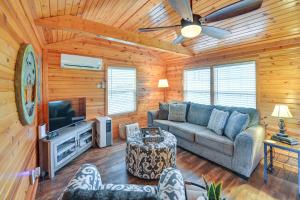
(147, 161)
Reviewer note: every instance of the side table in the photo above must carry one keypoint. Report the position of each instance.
(269, 166)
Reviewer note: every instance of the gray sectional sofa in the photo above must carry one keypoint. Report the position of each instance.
(240, 155)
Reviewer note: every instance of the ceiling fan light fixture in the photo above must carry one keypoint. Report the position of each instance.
(191, 31)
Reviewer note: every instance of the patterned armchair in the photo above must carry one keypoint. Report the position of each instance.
(87, 184)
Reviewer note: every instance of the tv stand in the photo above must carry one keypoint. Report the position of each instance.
(69, 143)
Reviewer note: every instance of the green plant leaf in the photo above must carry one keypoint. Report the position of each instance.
(218, 191)
(211, 193)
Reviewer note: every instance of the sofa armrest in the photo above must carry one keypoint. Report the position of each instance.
(152, 115)
(171, 185)
(248, 148)
(87, 177)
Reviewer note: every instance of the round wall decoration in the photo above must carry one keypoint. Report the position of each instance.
(26, 84)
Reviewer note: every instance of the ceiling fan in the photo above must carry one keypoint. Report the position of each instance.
(193, 24)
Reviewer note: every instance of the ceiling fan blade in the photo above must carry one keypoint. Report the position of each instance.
(215, 32)
(233, 10)
(183, 8)
(178, 40)
(157, 28)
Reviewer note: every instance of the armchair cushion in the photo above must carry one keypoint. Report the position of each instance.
(237, 122)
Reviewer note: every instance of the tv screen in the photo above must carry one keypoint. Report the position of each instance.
(66, 112)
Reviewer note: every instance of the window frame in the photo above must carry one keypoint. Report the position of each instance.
(106, 90)
(212, 78)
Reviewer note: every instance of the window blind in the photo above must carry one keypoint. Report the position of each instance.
(197, 85)
(235, 85)
(121, 89)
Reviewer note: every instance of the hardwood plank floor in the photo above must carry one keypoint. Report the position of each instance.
(111, 163)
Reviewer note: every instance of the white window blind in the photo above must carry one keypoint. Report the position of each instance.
(235, 85)
(121, 89)
(197, 85)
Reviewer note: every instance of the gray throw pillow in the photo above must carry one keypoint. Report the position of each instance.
(163, 111)
(237, 123)
(217, 121)
(177, 112)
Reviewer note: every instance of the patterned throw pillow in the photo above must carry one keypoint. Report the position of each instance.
(163, 111)
(237, 123)
(132, 129)
(217, 121)
(177, 112)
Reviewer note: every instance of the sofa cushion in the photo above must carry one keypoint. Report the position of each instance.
(217, 121)
(164, 124)
(186, 130)
(199, 114)
(177, 112)
(253, 113)
(237, 122)
(213, 141)
(163, 111)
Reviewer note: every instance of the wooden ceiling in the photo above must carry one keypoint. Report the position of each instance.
(276, 19)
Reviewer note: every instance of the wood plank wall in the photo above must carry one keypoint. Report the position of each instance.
(278, 79)
(18, 144)
(66, 83)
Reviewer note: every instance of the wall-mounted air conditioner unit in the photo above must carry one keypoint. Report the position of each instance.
(80, 62)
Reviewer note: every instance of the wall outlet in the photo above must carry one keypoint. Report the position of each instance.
(35, 173)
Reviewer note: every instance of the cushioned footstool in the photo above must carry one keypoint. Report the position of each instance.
(147, 161)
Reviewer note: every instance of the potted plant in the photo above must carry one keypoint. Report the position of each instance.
(213, 191)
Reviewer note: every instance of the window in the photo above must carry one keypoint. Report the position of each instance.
(121, 90)
(235, 85)
(197, 85)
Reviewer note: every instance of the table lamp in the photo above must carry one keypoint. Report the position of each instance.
(163, 83)
(281, 111)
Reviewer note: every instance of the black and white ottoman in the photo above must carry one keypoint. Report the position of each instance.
(147, 161)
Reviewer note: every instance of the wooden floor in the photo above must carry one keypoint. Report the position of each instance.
(111, 163)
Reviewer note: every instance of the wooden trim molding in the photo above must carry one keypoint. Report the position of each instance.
(79, 25)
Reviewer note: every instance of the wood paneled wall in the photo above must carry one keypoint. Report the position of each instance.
(278, 78)
(67, 83)
(18, 144)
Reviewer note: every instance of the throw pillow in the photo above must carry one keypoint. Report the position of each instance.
(217, 121)
(163, 111)
(177, 112)
(132, 129)
(237, 122)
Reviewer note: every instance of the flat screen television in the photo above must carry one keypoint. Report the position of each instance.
(66, 112)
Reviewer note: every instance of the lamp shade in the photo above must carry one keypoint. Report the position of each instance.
(163, 83)
(281, 111)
